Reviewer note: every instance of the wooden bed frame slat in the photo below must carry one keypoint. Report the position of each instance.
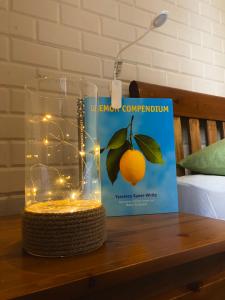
(189, 105)
(195, 135)
(211, 130)
(179, 143)
(223, 130)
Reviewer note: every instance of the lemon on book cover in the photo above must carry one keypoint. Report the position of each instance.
(132, 166)
(124, 158)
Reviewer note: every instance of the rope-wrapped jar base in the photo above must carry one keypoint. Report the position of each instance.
(63, 234)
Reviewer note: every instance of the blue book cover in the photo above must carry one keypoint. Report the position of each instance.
(138, 165)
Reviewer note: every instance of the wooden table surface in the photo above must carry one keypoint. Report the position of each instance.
(136, 246)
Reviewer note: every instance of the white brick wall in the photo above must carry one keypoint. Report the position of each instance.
(118, 30)
(17, 24)
(81, 37)
(4, 48)
(3, 3)
(30, 53)
(83, 63)
(4, 100)
(45, 9)
(79, 18)
(57, 34)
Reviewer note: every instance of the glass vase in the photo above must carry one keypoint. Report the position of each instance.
(63, 212)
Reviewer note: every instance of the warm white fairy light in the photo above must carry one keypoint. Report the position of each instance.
(49, 194)
(46, 141)
(60, 181)
(34, 191)
(46, 118)
(97, 150)
(82, 153)
(74, 195)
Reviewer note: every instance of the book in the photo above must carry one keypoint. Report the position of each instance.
(138, 164)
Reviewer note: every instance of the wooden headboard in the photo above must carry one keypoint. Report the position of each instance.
(193, 107)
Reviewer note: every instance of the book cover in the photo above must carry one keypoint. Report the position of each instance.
(138, 165)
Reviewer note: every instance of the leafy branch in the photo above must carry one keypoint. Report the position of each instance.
(131, 131)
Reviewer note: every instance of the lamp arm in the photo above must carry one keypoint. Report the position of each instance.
(117, 62)
(116, 85)
(134, 42)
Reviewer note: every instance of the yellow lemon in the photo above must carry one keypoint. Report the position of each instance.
(132, 166)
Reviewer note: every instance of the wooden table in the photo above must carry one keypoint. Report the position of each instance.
(170, 256)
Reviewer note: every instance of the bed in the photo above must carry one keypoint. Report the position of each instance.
(199, 120)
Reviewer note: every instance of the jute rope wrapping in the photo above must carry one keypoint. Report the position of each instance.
(63, 234)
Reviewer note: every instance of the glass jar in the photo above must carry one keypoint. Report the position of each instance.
(62, 168)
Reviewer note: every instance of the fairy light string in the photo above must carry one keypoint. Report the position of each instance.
(62, 139)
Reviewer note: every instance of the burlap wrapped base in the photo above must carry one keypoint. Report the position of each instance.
(63, 234)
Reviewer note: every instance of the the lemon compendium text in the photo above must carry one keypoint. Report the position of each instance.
(132, 108)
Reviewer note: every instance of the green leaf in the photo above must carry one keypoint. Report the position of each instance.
(150, 148)
(113, 161)
(118, 139)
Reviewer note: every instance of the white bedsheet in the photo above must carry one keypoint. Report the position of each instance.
(202, 195)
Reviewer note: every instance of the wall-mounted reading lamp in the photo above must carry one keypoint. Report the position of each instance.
(116, 89)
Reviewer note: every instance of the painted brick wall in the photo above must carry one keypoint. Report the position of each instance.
(82, 37)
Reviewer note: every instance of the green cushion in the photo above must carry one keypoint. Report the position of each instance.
(209, 160)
